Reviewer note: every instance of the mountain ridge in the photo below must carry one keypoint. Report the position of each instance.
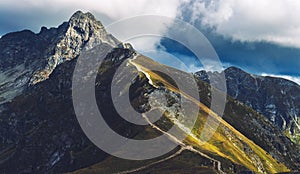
(40, 121)
(276, 98)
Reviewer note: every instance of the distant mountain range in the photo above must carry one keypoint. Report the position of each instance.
(276, 98)
(39, 132)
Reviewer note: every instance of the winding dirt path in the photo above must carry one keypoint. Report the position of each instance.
(217, 164)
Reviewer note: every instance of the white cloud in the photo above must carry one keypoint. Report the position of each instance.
(144, 33)
(291, 78)
(115, 9)
(248, 20)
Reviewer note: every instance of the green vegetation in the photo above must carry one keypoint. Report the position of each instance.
(227, 142)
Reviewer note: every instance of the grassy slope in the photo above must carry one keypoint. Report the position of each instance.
(227, 142)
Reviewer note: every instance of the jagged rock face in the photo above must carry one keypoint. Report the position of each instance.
(83, 32)
(277, 99)
(27, 58)
(21, 53)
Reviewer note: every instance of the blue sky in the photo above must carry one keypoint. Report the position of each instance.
(261, 37)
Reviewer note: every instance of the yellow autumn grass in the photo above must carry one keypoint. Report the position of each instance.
(219, 144)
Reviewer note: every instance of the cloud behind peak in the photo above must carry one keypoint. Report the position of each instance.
(268, 20)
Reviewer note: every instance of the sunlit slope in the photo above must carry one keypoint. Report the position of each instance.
(227, 142)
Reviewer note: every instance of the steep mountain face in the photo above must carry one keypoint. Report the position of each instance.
(28, 58)
(276, 98)
(83, 32)
(39, 131)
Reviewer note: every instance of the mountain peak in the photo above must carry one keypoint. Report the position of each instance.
(80, 14)
(80, 17)
(83, 32)
(234, 69)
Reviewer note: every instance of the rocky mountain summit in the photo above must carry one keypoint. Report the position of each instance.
(276, 98)
(28, 58)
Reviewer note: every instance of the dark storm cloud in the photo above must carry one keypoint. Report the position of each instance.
(255, 57)
(248, 20)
